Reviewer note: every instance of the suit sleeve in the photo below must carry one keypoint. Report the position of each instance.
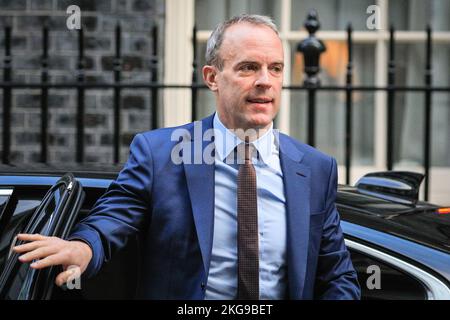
(122, 210)
(336, 278)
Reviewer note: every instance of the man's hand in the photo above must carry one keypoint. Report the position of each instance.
(53, 251)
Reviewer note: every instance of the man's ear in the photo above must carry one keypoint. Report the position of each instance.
(210, 77)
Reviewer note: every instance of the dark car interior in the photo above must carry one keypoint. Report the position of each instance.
(393, 283)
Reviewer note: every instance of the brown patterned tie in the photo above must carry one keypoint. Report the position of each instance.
(248, 259)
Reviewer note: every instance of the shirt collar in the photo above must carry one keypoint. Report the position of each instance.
(226, 141)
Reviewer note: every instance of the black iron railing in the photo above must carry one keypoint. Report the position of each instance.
(310, 47)
(81, 86)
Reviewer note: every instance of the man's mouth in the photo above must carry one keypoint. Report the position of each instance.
(260, 100)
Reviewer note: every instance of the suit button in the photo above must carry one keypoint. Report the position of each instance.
(203, 286)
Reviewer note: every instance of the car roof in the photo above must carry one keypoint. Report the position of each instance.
(80, 170)
(418, 222)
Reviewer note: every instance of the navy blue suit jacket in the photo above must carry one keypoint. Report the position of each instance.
(172, 206)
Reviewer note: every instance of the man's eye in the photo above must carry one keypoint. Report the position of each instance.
(277, 69)
(248, 67)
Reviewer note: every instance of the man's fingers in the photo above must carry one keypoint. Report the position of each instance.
(69, 274)
(52, 260)
(29, 246)
(39, 253)
(30, 237)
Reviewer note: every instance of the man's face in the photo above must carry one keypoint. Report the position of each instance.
(248, 88)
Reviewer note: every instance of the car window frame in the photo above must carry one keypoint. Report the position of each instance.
(62, 219)
(435, 288)
(10, 204)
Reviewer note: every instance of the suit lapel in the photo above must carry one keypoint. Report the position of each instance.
(200, 183)
(296, 178)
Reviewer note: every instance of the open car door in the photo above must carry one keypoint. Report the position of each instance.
(55, 216)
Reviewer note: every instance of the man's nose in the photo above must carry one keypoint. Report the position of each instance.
(263, 80)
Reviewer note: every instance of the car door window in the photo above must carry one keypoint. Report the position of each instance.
(55, 216)
(392, 284)
(3, 202)
(23, 210)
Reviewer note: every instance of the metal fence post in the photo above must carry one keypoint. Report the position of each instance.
(80, 98)
(311, 48)
(44, 95)
(7, 97)
(154, 79)
(349, 106)
(194, 74)
(390, 102)
(117, 92)
(427, 120)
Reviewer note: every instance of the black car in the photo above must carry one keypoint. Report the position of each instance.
(400, 246)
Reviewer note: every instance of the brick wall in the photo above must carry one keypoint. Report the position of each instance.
(98, 19)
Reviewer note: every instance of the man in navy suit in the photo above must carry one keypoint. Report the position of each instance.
(179, 189)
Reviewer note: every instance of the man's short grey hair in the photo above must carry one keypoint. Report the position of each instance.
(216, 38)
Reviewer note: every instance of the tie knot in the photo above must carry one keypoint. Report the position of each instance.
(245, 152)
